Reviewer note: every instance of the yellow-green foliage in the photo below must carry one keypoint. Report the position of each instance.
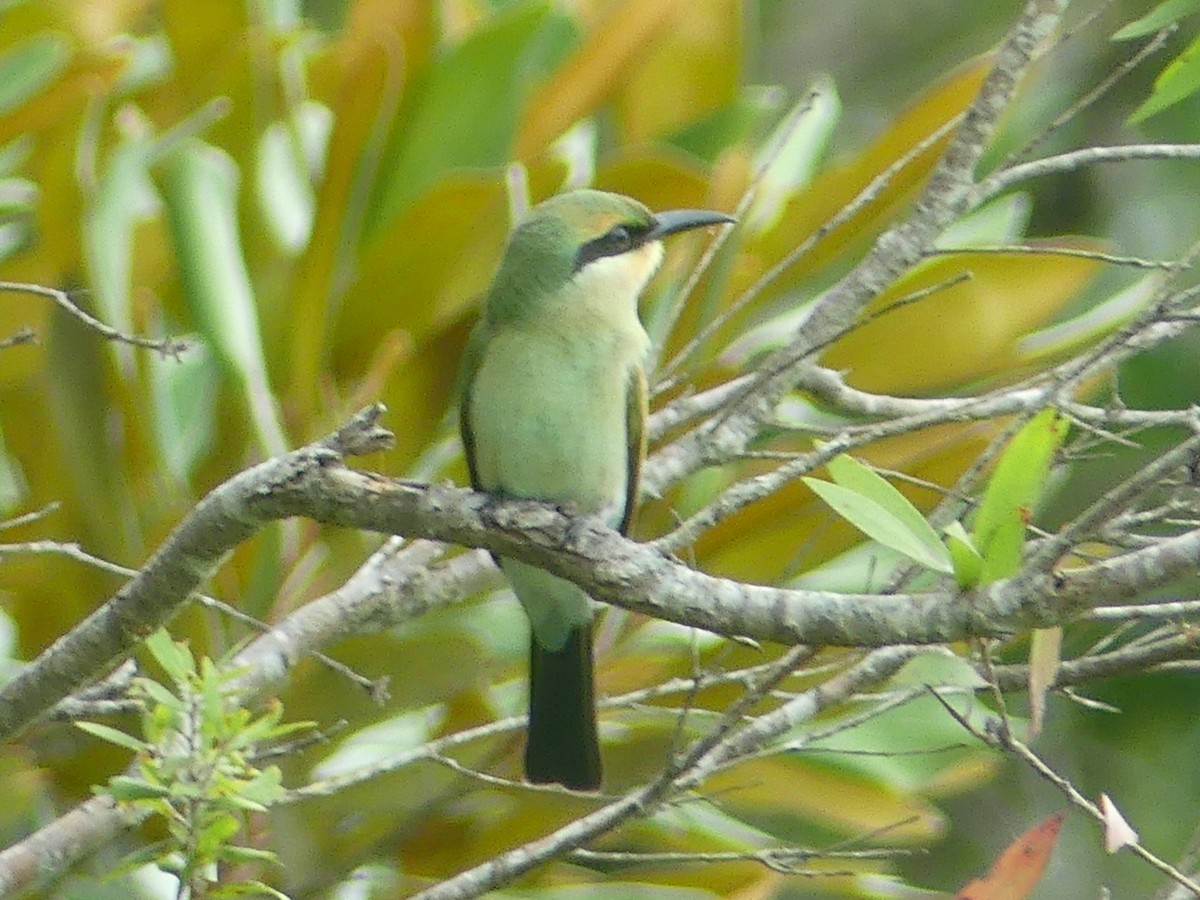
(317, 209)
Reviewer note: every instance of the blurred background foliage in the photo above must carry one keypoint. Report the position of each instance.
(316, 194)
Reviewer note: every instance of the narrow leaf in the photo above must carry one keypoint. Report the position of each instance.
(1013, 492)
(850, 473)
(200, 186)
(122, 787)
(183, 397)
(1045, 656)
(1159, 17)
(1178, 81)
(175, 658)
(968, 564)
(158, 693)
(237, 854)
(879, 524)
(29, 66)
(246, 889)
(112, 735)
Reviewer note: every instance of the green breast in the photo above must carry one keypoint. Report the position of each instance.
(548, 418)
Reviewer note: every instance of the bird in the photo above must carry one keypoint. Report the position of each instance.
(553, 408)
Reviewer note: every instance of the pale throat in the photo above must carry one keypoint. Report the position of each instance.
(610, 287)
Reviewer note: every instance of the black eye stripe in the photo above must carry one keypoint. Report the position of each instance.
(621, 238)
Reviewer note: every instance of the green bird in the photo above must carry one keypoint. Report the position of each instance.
(553, 408)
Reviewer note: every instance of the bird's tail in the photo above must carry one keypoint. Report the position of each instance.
(562, 746)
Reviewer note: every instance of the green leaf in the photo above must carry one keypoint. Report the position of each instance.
(200, 188)
(236, 854)
(1000, 221)
(113, 736)
(174, 657)
(1158, 18)
(968, 564)
(739, 122)
(877, 522)
(939, 668)
(158, 693)
(234, 801)
(1013, 492)
(266, 787)
(143, 856)
(123, 787)
(850, 473)
(122, 196)
(160, 720)
(30, 66)
(183, 394)
(246, 889)
(266, 728)
(1081, 330)
(213, 711)
(801, 139)
(289, 153)
(215, 834)
(459, 118)
(1178, 81)
(12, 482)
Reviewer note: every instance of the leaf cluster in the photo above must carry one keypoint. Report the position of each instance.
(195, 769)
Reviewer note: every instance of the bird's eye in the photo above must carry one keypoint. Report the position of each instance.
(619, 238)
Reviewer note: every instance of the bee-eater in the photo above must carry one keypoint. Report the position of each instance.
(554, 408)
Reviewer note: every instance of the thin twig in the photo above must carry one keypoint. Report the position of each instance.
(1132, 262)
(770, 155)
(1003, 180)
(19, 337)
(167, 346)
(74, 551)
(1091, 97)
(31, 517)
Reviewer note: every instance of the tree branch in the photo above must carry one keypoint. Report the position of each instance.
(313, 482)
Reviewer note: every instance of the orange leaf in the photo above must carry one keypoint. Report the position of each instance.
(591, 73)
(364, 81)
(974, 325)
(833, 189)
(1019, 868)
(689, 73)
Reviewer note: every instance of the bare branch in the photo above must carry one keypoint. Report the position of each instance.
(946, 196)
(508, 866)
(1010, 744)
(1005, 179)
(67, 839)
(165, 346)
(22, 336)
(313, 482)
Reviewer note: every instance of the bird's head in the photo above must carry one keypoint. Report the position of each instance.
(596, 242)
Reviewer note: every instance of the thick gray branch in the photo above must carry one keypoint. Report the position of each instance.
(69, 837)
(222, 520)
(313, 482)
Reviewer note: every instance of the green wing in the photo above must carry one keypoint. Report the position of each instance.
(472, 357)
(636, 410)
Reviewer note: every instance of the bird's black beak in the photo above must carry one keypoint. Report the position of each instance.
(676, 220)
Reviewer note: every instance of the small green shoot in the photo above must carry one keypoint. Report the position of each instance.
(195, 769)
